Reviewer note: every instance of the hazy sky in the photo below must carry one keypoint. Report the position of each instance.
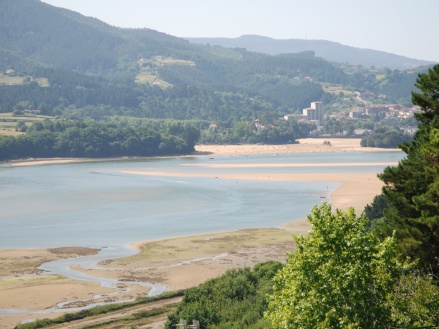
(403, 27)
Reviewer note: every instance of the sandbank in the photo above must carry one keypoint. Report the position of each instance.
(304, 145)
(188, 261)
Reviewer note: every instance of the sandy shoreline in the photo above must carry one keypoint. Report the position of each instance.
(304, 145)
(206, 255)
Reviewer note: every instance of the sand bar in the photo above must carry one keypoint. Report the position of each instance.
(304, 145)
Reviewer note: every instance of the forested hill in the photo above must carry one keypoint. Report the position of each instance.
(39, 40)
(331, 51)
(65, 64)
(44, 34)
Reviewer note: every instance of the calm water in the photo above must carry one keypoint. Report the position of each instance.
(94, 204)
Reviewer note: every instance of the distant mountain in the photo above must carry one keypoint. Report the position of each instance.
(331, 51)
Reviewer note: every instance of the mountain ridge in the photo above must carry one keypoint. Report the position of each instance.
(329, 50)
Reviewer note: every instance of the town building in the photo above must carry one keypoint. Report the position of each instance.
(294, 117)
(377, 109)
(316, 112)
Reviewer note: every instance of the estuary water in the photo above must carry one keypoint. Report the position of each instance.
(95, 204)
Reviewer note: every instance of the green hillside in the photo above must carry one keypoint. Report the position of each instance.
(56, 62)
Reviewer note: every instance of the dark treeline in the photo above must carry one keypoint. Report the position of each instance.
(268, 130)
(94, 139)
(385, 139)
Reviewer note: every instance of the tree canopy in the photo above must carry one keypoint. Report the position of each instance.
(97, 139)
(338, 277)
(412, 187)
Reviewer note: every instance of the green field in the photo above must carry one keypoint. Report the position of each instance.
(150, 78)
(18, 80)
(8, 122)
(335, 89)
(151, 75)
(6, 80)
(145, 77)
(173, 61)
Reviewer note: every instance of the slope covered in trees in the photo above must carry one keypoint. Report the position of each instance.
(91, 64)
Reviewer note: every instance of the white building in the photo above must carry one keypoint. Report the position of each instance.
(315, 112)
(295, 117)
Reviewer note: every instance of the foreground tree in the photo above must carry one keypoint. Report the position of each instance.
(412, 187)
(414, 302)
(338, 277)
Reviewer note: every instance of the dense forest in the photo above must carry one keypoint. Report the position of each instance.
(91, 140)
(385, 139)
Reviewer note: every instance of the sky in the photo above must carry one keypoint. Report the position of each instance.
(403, 27)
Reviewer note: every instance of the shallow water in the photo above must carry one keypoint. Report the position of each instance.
(94, 204)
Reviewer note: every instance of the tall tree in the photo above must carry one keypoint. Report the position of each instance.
(412, 187)
(338, 277)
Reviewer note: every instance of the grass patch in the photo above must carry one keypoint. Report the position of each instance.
(19, 80)
(335, 89)
(137, 319)
(43, 82)
(151, 78)
(145, 78)
(31, 281)
(171, 251)
(8, 122)
(10, 132)
(173, 61)
(5, 80)
(162, 84)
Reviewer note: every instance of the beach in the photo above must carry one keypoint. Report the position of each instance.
(304, 145)
(183, 262)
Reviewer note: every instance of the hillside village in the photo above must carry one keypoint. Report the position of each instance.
(347, 123)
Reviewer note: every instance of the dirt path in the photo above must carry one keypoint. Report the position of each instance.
(157, 322)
